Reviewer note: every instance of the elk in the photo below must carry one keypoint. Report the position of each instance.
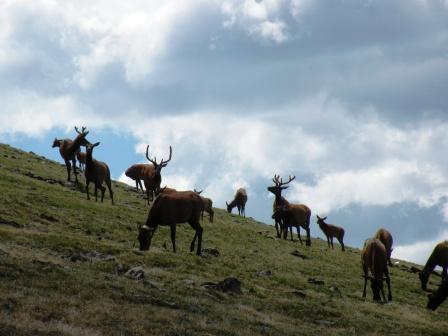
(374, 258)
(171, 209)
(437, 298)
(438, 257)
(279, 200)
(97, 172)
(287, 214)
(331, 231)
(81, 156)
(207, 206)
(152, 177)
(239, 201)
(69, 148)
(386, 238)
(136, 172)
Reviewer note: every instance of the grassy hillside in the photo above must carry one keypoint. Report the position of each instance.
(63, 264)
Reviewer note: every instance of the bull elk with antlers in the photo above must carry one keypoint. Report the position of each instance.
(239, 201)
(69, 149)
(171, 209)
(288, 215)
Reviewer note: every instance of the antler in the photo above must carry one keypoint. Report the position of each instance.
(162, 163)
(279, 181)
(83, 130)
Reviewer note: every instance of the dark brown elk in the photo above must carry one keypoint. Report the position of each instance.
(81, 156)
(331, 231)
(239, 201)
(69, 148)
(374, 259)
(289, 215)
(386, 238)
(437, 298)
(152, 177)
(98, 173)
(171, 209)
(136, 172)
(438, 257)
(279, 200)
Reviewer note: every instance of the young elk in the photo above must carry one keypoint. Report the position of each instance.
(438, 257)
(97, 172)
(279, 200)
(331, 231)
(437, 298)
(81, 156)
(136, 172)
(69, 148)
(239, 201)
(169, 210)
(152, 177)
(374, 258)
(386, 238)
(289, 215)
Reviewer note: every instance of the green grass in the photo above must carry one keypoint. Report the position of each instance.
(44, 293)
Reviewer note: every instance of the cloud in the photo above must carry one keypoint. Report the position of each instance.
(420, 251)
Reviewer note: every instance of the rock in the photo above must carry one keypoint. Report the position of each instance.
(91, 256)
(189, 282)
(49, 218)
(315, 281)
(296, 253)
(10, 223)
(299, 294)
(137, 273)
(335, 290)
(265, 273)
(210, 252)
(228, 285)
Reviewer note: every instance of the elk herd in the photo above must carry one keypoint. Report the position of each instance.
(169, 207)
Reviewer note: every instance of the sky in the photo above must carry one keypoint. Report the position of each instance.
(347, 95)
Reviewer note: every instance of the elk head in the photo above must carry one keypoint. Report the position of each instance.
(90, 147)
(321, 220)
(56, 143)
(145, 234)
(279, 185)
(81, 137)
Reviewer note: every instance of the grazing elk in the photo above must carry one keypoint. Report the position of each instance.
(81, 156)
(136, 172)
(289, 215)
(169, 210)
(386, 238)
(437, 298)
(97, 172)
(438, 257)
(331, 231)
(69, 148)
(374, 258)
(152, 177)
(279, 200)
(239, 201)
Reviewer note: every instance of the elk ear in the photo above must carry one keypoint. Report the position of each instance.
(318, 217)
(284, 187)
(227, 203)
(325, 218)
(96, 144)
(85, 133)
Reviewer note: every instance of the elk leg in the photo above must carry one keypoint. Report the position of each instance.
(365, 280)
(136, 184)
(331, 240)
(308, 237)
(290, 231)
(87, 189)
(67, 165)
(173, 236)
(103, 189)
(342, 244)
(111, 194)
(444, 272)
(74, 170)
(244, 211)
(389, 296)
(328, 241)
(298, 235)
(96, 193)
(198, 234)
